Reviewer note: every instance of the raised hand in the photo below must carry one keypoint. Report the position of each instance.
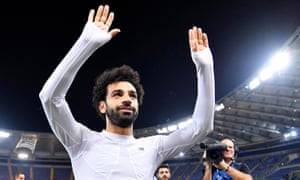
(103, 19)
(197, 39)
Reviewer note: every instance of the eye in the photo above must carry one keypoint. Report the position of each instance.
(133, 95)
(117, 94)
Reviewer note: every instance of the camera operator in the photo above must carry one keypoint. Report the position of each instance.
(228, 168)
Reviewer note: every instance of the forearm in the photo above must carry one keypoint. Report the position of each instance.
(235, 174)
(202, 119)
(61, 79)
(207, 173)
(54, 91)
(204, 108)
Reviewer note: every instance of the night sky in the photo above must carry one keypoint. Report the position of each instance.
(35, 36)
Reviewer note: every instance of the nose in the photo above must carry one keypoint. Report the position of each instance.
(126, 100)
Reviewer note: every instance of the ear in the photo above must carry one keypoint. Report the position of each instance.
(102, 107)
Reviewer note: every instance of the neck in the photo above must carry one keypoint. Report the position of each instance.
(119, 130)
(228, 160)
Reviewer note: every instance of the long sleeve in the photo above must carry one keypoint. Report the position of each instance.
(202, 118)
(53, 93)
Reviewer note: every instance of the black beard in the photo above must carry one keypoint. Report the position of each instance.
(123, 120)
(164, 177)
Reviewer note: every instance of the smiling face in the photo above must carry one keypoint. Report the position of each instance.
(229, 152)
(121, 105)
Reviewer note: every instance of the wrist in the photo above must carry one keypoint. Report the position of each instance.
(226, 168)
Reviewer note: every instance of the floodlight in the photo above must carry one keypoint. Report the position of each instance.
(26, 146)
(280, 61)
(4, 134)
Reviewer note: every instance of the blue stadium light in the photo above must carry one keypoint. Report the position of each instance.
(219, 107)
(265, 74)
(280, 61)
(290, 134)
(181, 154)
(26, 146)
(277, 63)
(254, 83)
(293, 133)
(172, 128)
(23, 155)
(162, 131)
(4, 134)
(184, 123)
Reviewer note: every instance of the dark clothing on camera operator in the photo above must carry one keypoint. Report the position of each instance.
(220, 174)
(227, 169)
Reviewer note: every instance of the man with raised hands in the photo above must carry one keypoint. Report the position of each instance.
(114, 153)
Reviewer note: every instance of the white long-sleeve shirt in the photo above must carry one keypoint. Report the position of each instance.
(108, 156)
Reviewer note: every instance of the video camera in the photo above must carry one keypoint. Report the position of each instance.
(214, 152)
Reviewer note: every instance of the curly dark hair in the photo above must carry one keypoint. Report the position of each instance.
(122, 73)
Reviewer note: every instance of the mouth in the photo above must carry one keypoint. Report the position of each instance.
(126, 109)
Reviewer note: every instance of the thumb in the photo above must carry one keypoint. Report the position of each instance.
(114, 32)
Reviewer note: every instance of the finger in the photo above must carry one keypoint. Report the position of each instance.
(192, 42)
(104, 14)
(199, 36)
(205, 39)
(99, 13)
(110, 19)
(204, 154)
(194, 32)
(190, 37)
(193, 35)
(91, 15)
(114, 32)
